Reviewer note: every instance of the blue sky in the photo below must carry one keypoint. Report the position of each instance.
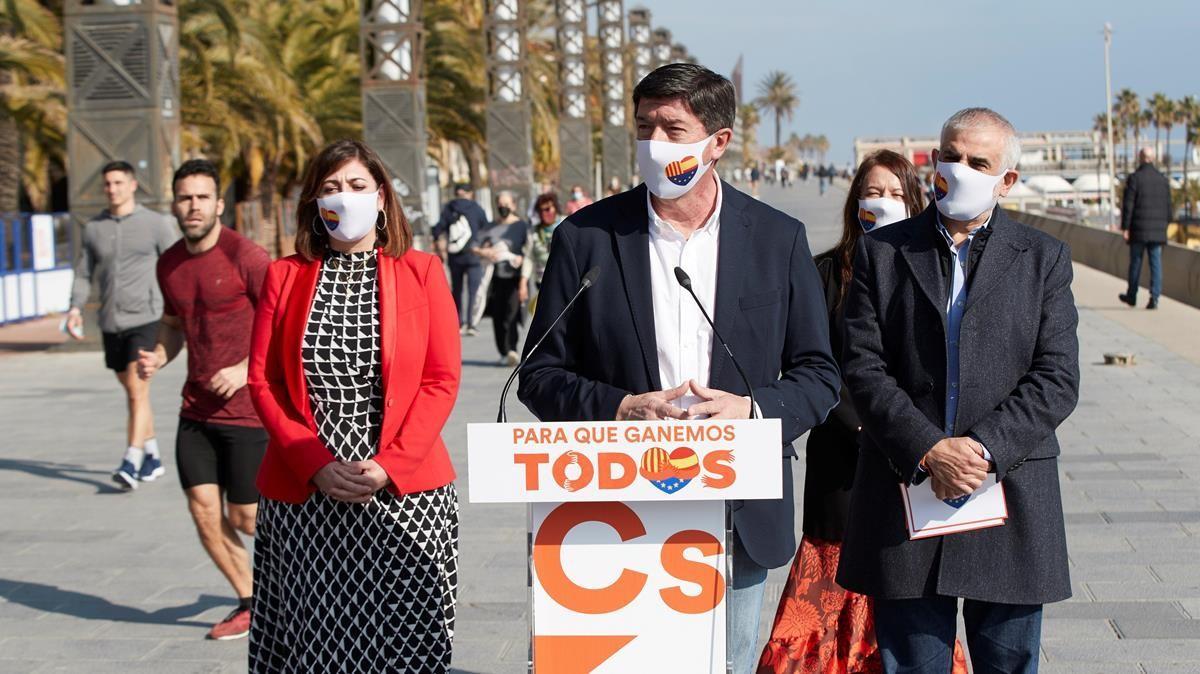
(872, 67)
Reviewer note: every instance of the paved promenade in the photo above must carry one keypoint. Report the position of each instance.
(93, 580)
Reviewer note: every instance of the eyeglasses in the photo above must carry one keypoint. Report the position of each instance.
(546, 209)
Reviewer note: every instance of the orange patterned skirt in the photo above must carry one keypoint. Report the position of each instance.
(821, 628)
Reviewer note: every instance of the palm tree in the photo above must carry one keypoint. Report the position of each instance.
(1125, 109)
(748, 115)
(456, 81)
(1162, 111)
(1189, 117)
(32, 102)
(1143, 120)
(777, 93)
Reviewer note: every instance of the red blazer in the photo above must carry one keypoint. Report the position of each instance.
(421, 367)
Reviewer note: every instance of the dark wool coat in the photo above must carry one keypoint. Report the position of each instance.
(1019, 379)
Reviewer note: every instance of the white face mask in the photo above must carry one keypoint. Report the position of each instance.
(880, 212)
(349, 216)
(962, 193)
(671, 170)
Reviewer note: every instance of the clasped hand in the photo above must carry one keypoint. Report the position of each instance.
(715, 404)
(956, 466)
(351, 481)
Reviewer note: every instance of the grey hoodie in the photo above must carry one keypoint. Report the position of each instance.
(120, 254)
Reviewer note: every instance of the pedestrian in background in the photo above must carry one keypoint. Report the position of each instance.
(1145, 212)
(354, 369)
(501, 247)
(118, 252)
(961, 357)
(841, 637)
(537, 247)
(578, 200)
(211, 281)
(461, 220)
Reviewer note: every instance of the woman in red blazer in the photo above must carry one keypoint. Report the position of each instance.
(354, 368)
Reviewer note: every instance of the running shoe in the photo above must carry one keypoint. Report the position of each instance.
(152, 469)
(236, 625)
(126, 476)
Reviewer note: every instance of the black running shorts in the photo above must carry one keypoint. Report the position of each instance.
(121, 348)
(220, 454)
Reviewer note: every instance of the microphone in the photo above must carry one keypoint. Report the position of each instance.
(686, 282)
(588, 280)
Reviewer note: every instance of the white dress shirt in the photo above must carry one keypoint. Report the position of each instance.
(684, 338)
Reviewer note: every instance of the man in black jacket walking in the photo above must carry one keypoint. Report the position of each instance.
(1145, 210)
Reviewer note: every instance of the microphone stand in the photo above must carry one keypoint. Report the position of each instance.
(686, 282)
(588, 280)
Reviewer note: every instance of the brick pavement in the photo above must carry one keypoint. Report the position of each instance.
(92, 580)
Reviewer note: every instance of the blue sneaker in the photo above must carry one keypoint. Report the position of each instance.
(152, 469)
(126, 476)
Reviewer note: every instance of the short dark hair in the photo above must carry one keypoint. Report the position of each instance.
(708, 95)
(119, 165)
(464, 187)
(197, 167)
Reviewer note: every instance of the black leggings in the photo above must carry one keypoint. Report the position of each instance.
(505, 309)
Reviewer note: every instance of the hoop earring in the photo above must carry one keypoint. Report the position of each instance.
(315, 227)
(383, 227)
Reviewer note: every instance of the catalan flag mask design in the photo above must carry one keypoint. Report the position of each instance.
(880, 212)
(962, 193)
(671, 170)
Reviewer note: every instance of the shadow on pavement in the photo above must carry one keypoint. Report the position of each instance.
(483, 363)
(53, 599)
(68, 472)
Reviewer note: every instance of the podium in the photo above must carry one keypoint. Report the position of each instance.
(629, 533)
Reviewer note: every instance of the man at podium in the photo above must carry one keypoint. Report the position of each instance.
(639, 346)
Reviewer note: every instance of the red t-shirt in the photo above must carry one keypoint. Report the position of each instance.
(214, 295)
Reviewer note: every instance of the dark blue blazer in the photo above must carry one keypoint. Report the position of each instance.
(769, 307)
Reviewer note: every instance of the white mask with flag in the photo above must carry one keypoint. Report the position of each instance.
(962, 193)
(671, 170)
(880, 212)
(349, 216)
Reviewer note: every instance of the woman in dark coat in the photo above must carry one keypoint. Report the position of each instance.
(820, 627)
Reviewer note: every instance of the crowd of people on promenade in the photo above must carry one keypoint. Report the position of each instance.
(933, 347)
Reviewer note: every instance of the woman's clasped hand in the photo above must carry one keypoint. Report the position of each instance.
(351, 481)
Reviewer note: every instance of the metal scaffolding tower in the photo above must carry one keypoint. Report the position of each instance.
(574, 125)
(616, 160)
(661, 47)
(122, 99)
(640, 41)
(393, 97)
(509, 136)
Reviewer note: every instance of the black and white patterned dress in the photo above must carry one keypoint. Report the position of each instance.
(341, 587)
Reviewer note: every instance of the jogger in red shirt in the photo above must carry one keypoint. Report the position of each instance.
(210, 282)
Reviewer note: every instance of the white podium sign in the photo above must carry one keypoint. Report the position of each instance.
(628, 537)
(624, 461)
(629, 587)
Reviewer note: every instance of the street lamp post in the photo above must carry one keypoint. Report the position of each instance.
(574, 125)
(393, 98)
(509, 137)
(1112, 177)
(615, 149)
